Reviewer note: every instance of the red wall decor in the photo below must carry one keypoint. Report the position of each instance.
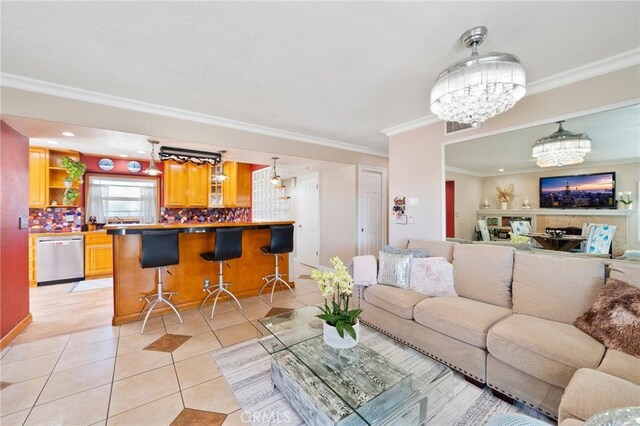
(14, 243)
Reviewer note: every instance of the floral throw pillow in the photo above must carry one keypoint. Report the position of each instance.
(432, 276)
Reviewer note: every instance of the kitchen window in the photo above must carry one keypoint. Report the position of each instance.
(120, 199)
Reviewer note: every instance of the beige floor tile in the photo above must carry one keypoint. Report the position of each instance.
(236, 419)
(93, 336)
(83, 408)
(222, 320)
(143, 388)
(311, 299)
(4, 351)
(214, 395)
(30, 368)
(157, 413)
(256, 311)
(100, 423)
(236, 334)
(137, 342)
(15, 419)
(196, 370)
(78, 379)
(82, 355)
(190, 328)
(188, 315)
(281, 300)
(306, 286)
(38, 348)
(130, 328)
(138, 362)
(20, 396)
(221, 307)
(251, 302)
(197, 345)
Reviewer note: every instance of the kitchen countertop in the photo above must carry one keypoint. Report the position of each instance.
(188, 227)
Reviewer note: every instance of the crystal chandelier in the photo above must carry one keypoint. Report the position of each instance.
(477, 88)
(562, 148)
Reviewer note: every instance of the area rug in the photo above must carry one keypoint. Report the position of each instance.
(247, 369)
(91, 284)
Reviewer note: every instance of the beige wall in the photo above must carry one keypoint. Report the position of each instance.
(468, 197)
(416, 156)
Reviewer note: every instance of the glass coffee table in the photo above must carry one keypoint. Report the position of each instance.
(378, 382)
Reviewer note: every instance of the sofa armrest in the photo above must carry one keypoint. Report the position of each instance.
(365, 270)
(590, 392)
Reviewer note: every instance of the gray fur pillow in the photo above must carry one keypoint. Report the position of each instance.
(614, 318)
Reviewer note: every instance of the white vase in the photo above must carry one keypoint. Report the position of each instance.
(67, 183)
(333, 339)
(503, 205)
(629, 206)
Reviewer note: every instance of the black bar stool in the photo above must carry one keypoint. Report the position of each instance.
(228, 246)
(159, 250)
(281, 242)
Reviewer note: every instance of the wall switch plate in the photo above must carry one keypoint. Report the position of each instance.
(23, 222)
(411, 219)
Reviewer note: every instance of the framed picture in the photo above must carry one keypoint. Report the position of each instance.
(401, 219)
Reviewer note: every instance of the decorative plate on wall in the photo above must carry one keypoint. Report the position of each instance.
(106, 164)
(134, 166)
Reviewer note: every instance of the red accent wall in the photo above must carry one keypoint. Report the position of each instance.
(14, 242)
(450, 198)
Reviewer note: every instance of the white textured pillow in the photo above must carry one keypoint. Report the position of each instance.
(432, 276)
(394, 269)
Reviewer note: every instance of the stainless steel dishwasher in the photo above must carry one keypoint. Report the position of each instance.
(59, 259)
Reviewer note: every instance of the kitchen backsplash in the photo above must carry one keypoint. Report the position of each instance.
(55, 219)
(239, 214)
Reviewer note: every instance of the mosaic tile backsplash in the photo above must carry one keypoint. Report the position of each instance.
(55, 219)
(240, 214)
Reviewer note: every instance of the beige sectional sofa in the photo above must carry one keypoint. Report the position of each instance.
(511, 326)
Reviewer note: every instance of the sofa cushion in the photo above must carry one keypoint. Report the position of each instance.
(396, 300)
(548, 350)
(435, 248)
(621, 365)
(591, 392)
(484, 273)
(555, 288)
(614, 318)
(463, 319)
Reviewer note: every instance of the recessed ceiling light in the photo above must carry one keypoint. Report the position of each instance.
(53, 143)
(308, 168)
(141, 152)
(123, 155)
(501, 170)
(69, 134)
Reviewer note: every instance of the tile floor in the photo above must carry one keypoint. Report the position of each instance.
(106, 376)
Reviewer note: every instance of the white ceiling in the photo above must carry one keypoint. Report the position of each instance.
(113, 144)
(336, 70)
(615, 136)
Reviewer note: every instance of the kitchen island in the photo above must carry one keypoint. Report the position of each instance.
(130, 281)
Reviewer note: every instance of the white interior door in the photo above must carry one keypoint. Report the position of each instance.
(308, 220)
(371, 211)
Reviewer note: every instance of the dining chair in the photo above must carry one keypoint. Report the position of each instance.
(520, 227)
(599, 238)
(484, 230)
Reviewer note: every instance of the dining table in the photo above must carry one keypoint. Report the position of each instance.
(557, 243)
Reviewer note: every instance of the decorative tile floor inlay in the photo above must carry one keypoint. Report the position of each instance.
(277, 311)
(4, 384)
(168, 343)
(191, 417)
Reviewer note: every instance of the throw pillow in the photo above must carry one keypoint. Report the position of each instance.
(432, 276)
(614, 318)
(416, 252)
(394, 269)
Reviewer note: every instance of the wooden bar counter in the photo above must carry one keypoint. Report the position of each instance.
(130, 281)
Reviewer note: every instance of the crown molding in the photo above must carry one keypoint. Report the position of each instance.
(463, 171)
(594, 69)
(47, 88)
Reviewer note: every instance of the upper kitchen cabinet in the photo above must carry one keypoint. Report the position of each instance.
(236, 190)
(186, 184)
(37, 177)
(57, 175)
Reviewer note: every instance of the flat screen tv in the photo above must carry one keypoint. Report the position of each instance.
(593, 191)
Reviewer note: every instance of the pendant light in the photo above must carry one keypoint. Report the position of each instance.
(561, 148)
(220, 176)
(152, 170)
(275, 179)
(477, 88)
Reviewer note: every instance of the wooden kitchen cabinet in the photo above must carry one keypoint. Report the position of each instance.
(38, 171)
(186, 185)
(98, 254)
(32, 261)
(236, 190)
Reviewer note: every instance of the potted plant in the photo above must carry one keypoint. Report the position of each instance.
(70, 196)
(75, 172)
(341, 325)
(504, 195)
(628, 202)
